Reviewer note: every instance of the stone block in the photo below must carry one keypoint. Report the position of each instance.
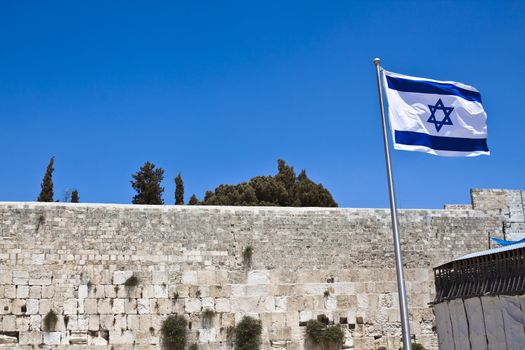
(22, 292)
(22, 323)
(121, 337)
(78, 338)
(104, 306)
(32, 306)
(40, 278)
(256, 290)
(35, 292)
(9, 323)
(83, 291)
(143, 306)
(192, 305)
(70, 306)
(30, 338)
(20, 277)
(281, 303)
(6, 276)
(120, 277)
(207, 335)
(7, 340)
(118, 306)
(208, 303)
(34, 322)
(5, 306)
(130, 306)
(159, 277)
(148, 292)
(258, 277)
(10, 292)
(133, 322)
(222, 305)
(90, 306)
(48, 292)
(160, 291)
(17, 306)
(189, 277)
(93, 322)
(52, 338)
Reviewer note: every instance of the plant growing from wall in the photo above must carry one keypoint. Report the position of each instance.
(50, 321)
(247, 256)
(174, 332)
(333, 335)
(323, 335)
(207, 318)
(315, 330)
(247, 334)
(132, 281)
(40, 222)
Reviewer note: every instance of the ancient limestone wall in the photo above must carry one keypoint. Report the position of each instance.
(76, 258)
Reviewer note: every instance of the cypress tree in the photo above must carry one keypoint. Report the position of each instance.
(74, 197)
(46, 192)
(193, 200)
(147, 183)
(179, 190)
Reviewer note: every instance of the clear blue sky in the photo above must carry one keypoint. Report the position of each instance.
(220, 90)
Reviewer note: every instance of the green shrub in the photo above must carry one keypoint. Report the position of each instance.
(332, 335)
(174, 332)
(133, 281)
(193, 346)
(415, 346)
(50, 320)
(247, 255)
(247, 334)
(320, 334)
(315, 330)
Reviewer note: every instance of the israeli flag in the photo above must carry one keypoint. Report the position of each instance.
(443, 118)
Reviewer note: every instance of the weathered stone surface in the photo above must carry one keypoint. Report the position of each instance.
(6, 339)
(307, 263)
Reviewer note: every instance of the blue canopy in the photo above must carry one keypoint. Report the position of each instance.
(503, 242)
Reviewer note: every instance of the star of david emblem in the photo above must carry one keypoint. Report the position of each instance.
(446, 111)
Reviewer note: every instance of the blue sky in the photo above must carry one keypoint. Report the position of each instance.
(220, 90)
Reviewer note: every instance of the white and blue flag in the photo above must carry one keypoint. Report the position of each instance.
(443, 118)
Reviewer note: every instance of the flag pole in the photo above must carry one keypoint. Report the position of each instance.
(403, 307)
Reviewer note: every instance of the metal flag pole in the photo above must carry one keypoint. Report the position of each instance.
(403, 308)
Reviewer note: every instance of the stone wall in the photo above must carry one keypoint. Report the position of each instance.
(75, 259)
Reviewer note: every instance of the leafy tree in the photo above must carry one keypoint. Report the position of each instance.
(193, 200)
(310, 194)
(286, 176)
(179, 190)
(74, 197)
(147, 183)
(46, 192)
(283, 189)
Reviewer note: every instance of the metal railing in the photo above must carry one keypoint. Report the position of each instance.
(489, 274)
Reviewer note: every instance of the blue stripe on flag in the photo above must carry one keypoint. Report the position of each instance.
(431, 87)
(440, 142)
